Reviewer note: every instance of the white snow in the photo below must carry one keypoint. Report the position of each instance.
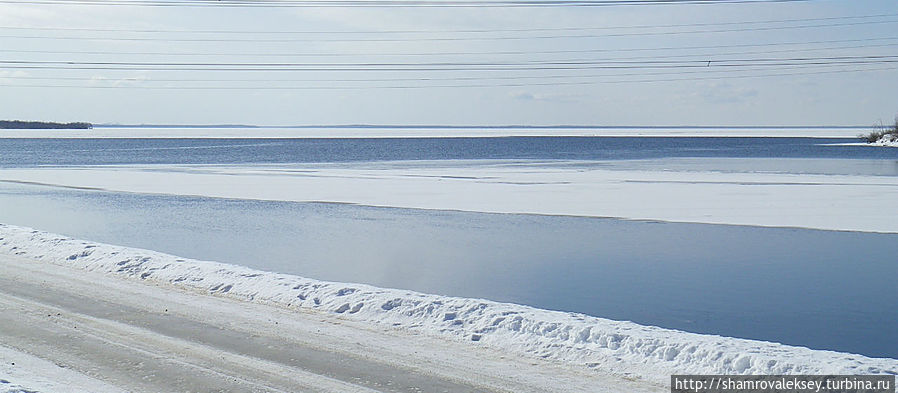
(22, 373)
(888, 140)
(619, 348)
(591, 189)
(112, 132)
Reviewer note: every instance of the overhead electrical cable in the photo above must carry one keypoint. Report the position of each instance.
(704, 56)
(419, 39)
(592, 28)
(503, 76)
(499, 52)
(453, 85)
(469, 65)
(388, 3)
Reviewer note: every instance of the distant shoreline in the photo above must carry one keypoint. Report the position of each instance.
(491, 127)
(387, 132)
(43, 125)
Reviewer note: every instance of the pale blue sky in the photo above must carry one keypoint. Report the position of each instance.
(783, 94)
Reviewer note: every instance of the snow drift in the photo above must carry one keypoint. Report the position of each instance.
(887, 140)
(621, 348)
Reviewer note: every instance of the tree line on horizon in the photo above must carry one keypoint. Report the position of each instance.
(28, 125)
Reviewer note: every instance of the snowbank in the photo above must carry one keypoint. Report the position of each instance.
(888, 140)
(621, 348)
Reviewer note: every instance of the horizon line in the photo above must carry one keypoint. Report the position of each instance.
(469, 126)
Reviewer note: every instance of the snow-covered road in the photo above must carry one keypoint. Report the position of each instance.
(146, 321)
(69, 330)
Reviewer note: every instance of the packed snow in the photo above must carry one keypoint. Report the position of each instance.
(615, 347)
(23, 373)
(589, 189)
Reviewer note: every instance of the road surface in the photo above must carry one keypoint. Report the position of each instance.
(130, 336)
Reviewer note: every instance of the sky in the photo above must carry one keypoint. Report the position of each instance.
(825, 62)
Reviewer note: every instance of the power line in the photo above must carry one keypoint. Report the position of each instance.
(465, 65)
(560, 51)
(804, 73)
(600, 28)
(703, 57)
(418, 79)
(420, 39)
(388, 3)
(406, 68)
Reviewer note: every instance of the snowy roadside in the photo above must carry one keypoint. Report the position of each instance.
(591, 344)
(148, 336)
(23, 373)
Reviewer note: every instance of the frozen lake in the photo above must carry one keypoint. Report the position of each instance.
(821, 289)
(816, 288)
(18, 152)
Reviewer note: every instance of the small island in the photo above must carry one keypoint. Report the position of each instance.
(42, 125)
(883, 135)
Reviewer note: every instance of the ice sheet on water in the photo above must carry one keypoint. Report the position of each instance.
(829, 202)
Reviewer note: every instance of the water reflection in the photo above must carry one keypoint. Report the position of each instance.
(822, 289)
